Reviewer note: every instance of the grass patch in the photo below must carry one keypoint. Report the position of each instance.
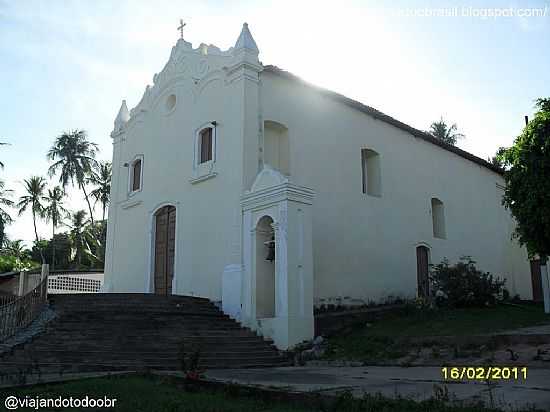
(449, 322)
(155, 394)
(377, 342)
(151, 394)
(362, 347)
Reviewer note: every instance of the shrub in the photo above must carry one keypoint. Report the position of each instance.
(10, 263)
(463, 285)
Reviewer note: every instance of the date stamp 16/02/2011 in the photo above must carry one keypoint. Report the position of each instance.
(484, 372)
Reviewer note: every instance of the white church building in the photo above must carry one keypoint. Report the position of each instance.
(241, 183)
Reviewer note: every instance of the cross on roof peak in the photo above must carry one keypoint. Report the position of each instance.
(180, 28)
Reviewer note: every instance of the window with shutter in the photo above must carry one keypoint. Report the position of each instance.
(136, 175)
(205, 145)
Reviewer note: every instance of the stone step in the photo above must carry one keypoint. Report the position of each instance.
(60, 352)
(207, 337)
(160, 334)
(141, 328)
(107, 297)
(102, 312)
(143, 321)
(147, 358)
(173, 364)
(230, 345)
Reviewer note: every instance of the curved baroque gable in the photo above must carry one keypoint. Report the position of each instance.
(185, 63)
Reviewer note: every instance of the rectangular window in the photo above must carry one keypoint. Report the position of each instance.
(206, 145)
(136, 175)
(438, 218)
(370, 169)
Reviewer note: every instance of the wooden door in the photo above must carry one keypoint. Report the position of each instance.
(536, 281)
(165, 247)
(422, 271)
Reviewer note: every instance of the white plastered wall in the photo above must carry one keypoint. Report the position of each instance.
(364, 246)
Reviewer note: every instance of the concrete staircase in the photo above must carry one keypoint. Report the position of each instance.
(119, 332)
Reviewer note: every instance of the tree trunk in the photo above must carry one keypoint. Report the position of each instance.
(1, 232)
(88, 201)
(103, 215)
(36, 236)
(53, 245)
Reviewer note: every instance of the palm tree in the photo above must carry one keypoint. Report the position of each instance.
(78, 234)
(34, 188)
(448, 134)
(5, 218)
(74, 158)
(54, 212)
(101, 177)
(3, 144)
(15, 248)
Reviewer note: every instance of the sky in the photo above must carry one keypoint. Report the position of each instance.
(68, 64)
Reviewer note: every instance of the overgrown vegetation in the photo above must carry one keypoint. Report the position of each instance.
(383, 339)
(140, 394)
(527, 175)
(10, 263)
(463, 285)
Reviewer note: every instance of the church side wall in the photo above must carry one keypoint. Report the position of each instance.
(365, 246)
(208, 212)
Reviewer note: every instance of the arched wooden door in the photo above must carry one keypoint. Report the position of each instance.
(165, 247)
(422, 271)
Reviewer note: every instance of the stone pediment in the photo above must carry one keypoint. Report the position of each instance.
(268, 178)
(271, 186)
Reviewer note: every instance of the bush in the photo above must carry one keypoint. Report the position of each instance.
(463, 285)
(10, 263)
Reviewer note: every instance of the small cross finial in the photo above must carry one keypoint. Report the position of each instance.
(180, 28)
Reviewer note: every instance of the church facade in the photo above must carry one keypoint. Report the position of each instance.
(241, 183)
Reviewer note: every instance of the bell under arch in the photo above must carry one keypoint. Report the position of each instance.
(265, 268)
(277, 277)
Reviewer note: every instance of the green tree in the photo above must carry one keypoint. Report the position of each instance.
(5, 218)
(447, 134)
(63, 250)
(96, 235)
(54, 212)
(3, 144)
(527, 178)
(496, 160)
(74, 158)
(79, 237)
(17, 249)
(34, 189)
(101, 178)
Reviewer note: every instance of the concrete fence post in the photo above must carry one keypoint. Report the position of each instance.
(22, 282)
(545, 278)
(44, 275)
